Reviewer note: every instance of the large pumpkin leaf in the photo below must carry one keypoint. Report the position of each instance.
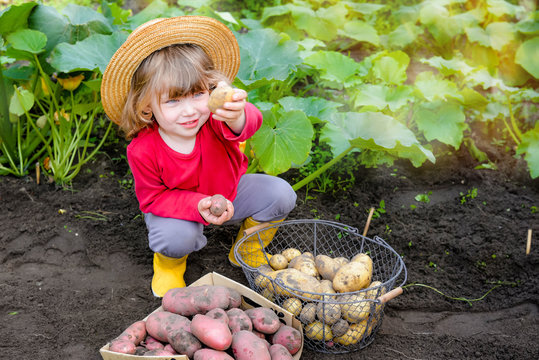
(391, 68)
(527, 56)
(92, 53)
(360, 31)
(317, 109)
(282, 141)
(55, 26)
(382, 96)
(87, 17)
(443, 121)
(496, 35)
(404, 35)
(15, 17)
(433, 88)
(336, 70)
(28, 40)
(264, 55)
(374, 131)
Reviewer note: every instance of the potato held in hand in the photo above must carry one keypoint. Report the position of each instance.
(218, 204)
(219, 96)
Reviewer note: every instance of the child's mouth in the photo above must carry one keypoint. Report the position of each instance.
(190, 124)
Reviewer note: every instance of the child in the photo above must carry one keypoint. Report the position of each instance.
(156, 88)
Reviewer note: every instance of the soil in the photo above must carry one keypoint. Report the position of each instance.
(75, 267)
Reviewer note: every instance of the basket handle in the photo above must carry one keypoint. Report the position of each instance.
(255, 228)
(390, 295)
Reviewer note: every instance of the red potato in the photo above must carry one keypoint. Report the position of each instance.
(135, 333)
(289, 337)
(218, 204)
(159, 324)
(151, 343)
(184, 343)
(123, 346)
(248, 346)
(211, 332)
(170, 349)
(264, 319)
(218, 314)
(192, 300)
(279, 352)
(210, 354)
(238, 320)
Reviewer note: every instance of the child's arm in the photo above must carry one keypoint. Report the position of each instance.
(233, 112)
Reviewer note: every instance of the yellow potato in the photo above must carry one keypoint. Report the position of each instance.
(290, 253)
(351, 277)
(219, 96)
(328, 313)
(308, 313)
(293, 278)
(326, 266)
(305, 264)
(355, 308)
(318, 331)
(278, 262)
(293, 305)
(353, 335)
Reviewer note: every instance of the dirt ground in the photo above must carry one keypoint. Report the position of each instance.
(75, 268)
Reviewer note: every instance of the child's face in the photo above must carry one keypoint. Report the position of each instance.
(181, 118)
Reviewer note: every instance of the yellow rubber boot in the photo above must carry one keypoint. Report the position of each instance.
(167, 273)
(251, 250)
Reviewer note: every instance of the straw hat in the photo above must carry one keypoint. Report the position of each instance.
(211, 35)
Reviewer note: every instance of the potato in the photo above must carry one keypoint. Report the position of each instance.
(264, 319)
(248, 346)
(268, 294)
(238, 320)
(289, 337)
(218, 204)
(278, 262)
(305, 264)
(341, 260)
(279, 352)
(290, 253)
(151, 343)
(325, 287)
(211, 332)
(308, 313)
(218, 314)
(318, 331)
(328, 313)
(355, 308)
(158, 324)
(123, 346)
(184, 342)
(293, 305)
(210, 354)
(340, 327)
(193, 300)
(219, 96)
(135, 332)
(351, 277)
(353, 335)
(293, 278)
(326, 266)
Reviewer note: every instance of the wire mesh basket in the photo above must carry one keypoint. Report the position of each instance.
(332, 322)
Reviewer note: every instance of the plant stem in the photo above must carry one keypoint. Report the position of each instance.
(512, 116)
(5, 125)
(318, 172)
(469, 301)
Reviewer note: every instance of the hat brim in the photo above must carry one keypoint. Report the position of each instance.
(217, 41)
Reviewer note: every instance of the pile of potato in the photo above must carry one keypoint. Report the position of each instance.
(207, 323)
(321, 297)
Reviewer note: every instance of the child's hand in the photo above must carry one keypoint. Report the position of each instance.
(204, 210)
(232, 112)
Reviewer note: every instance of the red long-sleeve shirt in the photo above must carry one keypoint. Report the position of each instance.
(170, 184)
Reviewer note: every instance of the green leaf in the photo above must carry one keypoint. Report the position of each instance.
(360, 31)
(381, 96)
(22, 102)
(373, 131)
(530, 147)
(444, 122)
(487, 81)
(28, 40)
(528, 27)
(55, 26)
(91, 53)
(500, 8)
(276, 60)
(527, 55)
(280, 143)
(448, 67)
(87, 17)
(433, 88)
(336, 70)
(15, 17)
(364, 8)
(391, 68)
(317, 109)
(404, 35)
(496, 35)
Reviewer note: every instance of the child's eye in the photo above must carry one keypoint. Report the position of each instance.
(199, 94)
(171, 101)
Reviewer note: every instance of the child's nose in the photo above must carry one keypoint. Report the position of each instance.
(188, 107)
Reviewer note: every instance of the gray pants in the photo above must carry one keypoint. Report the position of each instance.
(260, 196)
